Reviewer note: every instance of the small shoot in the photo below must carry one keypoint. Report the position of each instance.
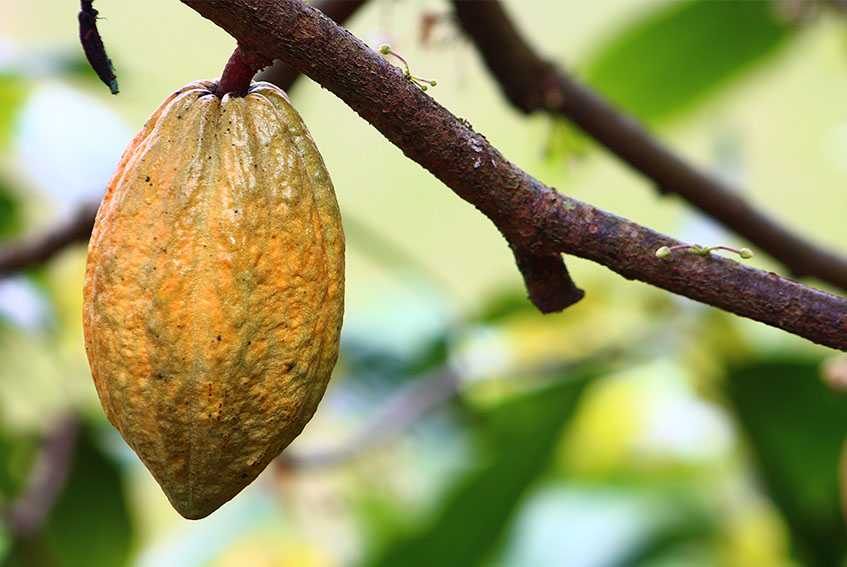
(385, 49)
(665, 252)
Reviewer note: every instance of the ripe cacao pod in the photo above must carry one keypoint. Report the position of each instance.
(214, 290)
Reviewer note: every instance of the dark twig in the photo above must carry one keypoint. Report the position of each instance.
(532, 83)
(28, 513)
(93, 47)
(284, 75)
(20, 255)
(530, 215)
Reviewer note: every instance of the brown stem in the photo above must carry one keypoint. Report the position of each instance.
(532, 83)
(239, 72)
(530, 215)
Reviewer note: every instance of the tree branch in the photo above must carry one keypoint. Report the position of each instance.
(532, 83)
(284, 75)
(22, 254)
(530, 215)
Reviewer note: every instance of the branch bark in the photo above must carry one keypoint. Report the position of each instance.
(532, 83)
(532, 216)
(284, 75)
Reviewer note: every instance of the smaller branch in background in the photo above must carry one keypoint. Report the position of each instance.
(531, 84)
(92, 45)
(429, 392)
(284, 75)
(28, 512)
(23, 254)
(399, 413)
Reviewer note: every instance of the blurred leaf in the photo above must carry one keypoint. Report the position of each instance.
(796, 427)
(89, 523)
(13, 92)
(366, 360)
(505, 304)
(522, 434)
(564, 143)
(10, 222)
(696, 532)
(681, 52)
(16, 456)
(5, 545)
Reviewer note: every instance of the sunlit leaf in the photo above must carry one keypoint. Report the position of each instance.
(796, 427)
(680, 52)
(521, 435)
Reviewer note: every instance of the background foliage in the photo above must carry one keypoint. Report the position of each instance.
(462, 427)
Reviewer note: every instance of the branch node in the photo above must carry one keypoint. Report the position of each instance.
(548, 284)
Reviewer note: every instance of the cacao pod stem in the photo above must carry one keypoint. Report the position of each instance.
(239, 71)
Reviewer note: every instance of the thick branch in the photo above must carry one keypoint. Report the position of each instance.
(284, 75)
(530, 215)
(23, 254)
(532, 83)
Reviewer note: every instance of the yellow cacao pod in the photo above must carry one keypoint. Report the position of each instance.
(214, 290)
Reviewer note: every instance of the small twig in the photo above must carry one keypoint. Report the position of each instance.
(424, 84)
(19, 255)
(92, 45)
(532, 83)
(47, 477)
(666, 251)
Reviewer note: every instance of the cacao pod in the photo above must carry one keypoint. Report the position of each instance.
(214, 290)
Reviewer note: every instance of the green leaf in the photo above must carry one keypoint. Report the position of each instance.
(10, 218)
(16, 457)
(796, 426)
(521, 435)
(13, 92)
(89, 523)
(680, 52)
